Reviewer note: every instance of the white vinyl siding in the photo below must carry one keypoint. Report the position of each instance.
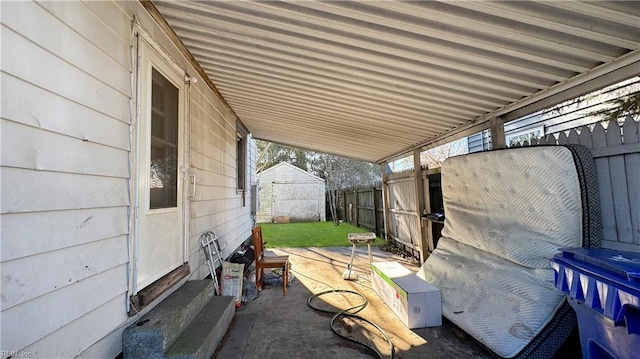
(67, 92)
(65, 171)
(217, 205)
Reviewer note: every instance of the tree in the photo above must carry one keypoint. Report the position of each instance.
(625, 105)
(435, 156)
(624, 100)
(341, 172)
(270, 154)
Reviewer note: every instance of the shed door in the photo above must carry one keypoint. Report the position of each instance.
(160, 227)
(300, 201)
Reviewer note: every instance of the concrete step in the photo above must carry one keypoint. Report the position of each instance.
(200, 339)
(156, 331)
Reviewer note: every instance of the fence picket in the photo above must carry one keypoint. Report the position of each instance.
(631, 133)
(549, 140)
(585, 137)
(562, 138)
(573, 137)
(619, 186)
(599, 137)
(614, 137)
(630, 130)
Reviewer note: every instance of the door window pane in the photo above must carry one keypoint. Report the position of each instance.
(163, 191)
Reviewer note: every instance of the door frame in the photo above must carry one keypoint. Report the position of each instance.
(142, 38)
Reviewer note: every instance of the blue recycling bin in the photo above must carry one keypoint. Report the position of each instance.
(603, 287)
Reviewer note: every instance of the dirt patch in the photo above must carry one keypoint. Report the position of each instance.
(281, 219)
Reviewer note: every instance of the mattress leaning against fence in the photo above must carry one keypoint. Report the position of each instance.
(507, 213)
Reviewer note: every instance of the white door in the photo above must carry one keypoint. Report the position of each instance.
(160, 158)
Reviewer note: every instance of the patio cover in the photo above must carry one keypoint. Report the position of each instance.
(375, 79)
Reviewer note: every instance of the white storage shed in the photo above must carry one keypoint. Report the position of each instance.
(290, 194)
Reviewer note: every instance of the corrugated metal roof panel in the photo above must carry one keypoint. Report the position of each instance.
(370, 79)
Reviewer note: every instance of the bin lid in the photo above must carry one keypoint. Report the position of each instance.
(607, 281)
(619, 263)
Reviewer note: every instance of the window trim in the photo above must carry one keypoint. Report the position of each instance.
(241, 159)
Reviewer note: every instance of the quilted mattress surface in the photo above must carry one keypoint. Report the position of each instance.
(502, 305)
(521, 204)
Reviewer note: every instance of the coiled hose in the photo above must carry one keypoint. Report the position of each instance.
(351, 312)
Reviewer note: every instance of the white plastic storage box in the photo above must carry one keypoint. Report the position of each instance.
(416, 302)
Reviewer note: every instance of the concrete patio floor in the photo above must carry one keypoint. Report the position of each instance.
(277, 326)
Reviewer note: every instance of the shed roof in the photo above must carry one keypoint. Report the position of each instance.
(372, 80)
(290, 167)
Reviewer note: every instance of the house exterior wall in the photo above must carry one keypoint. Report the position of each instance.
(298, 194)
(66, 130)
(480, 141)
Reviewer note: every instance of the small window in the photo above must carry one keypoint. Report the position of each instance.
(241, 155)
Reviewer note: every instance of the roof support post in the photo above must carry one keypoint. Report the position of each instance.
(428, 225)
(356, 206)
(417, 173)
(375, 209)
(385, 200)
(497, 133)
(344, 202)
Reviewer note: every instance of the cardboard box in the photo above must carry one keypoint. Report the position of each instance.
(416, 302)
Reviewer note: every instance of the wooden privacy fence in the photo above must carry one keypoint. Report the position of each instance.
(616, 150)
(362, 207)
(404, 225)
(408, 202)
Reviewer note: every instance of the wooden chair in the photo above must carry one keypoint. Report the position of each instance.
(263, 261)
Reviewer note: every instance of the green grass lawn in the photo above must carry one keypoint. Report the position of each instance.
(313, 234)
